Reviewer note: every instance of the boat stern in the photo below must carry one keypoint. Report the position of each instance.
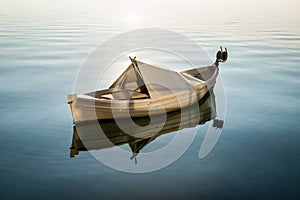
(71, 99)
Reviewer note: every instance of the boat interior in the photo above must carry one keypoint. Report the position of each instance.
(120, 94)
(202, 74)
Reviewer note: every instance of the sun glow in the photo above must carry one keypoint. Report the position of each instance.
(132, 19)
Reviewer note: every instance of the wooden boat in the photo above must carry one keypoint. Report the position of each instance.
(143, 90)
(89, 136)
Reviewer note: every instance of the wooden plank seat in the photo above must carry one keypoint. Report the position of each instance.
(125, 95)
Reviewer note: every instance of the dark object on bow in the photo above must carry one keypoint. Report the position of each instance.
(221, 55)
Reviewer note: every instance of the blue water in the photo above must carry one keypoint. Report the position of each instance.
(256, 157)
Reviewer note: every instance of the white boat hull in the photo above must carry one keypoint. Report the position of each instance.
(88, 108)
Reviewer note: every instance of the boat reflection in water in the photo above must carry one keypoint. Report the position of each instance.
(91, 137)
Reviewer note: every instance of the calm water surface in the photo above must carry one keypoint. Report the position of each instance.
(256, 157)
